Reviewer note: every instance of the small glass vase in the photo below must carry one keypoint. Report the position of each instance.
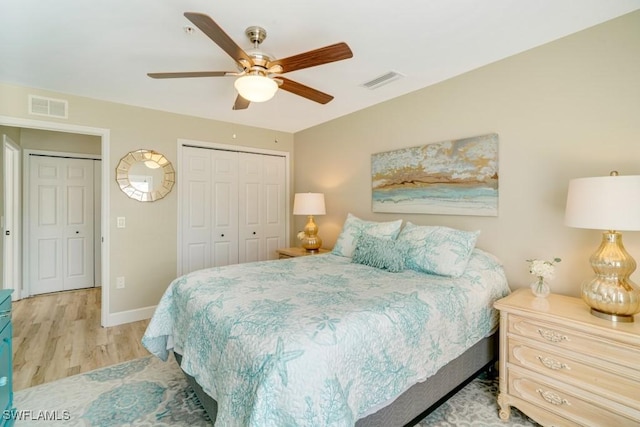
(540, 288)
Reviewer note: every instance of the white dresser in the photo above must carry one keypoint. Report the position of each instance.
(562, 366)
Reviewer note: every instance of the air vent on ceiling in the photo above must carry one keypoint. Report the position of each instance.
(50, 107)
(382, 80)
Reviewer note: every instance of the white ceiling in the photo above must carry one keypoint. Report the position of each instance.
(103, 48)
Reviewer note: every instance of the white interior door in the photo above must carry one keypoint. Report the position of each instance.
(210, 212)
(250, 208)
(262, 206)
(61, 224)
(232, 207)
(196, 210)
(11, 218)
(225, 207)
(274, 213)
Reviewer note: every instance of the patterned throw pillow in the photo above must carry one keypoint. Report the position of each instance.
(380, 253)
(438, 250)
(354, 227)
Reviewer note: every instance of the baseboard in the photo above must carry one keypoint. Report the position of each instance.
(128, 316)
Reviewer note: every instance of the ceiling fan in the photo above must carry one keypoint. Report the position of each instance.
(260, 75)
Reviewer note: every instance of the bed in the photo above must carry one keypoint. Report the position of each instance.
(325, 341)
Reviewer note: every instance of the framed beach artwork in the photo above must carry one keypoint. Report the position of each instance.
(457, 177)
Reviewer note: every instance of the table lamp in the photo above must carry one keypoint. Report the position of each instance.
(609, 203)
(310, 204)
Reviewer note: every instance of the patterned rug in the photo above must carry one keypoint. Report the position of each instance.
(149, 392)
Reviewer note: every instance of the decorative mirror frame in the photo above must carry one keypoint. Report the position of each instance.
(140, 156)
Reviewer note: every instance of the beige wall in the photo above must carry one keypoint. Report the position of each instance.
(567, 109)
(145, 252)
(35, 139)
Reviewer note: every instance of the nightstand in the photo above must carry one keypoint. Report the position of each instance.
(296, 252)
(562, 366)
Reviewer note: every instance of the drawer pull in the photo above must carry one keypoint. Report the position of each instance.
(3, 381)
(553, 398)
(552, 363)
(552, 336)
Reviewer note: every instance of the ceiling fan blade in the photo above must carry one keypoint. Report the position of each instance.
(241, 103)
(190, 74)
(304, 91)
(324, 55)
(217, 34)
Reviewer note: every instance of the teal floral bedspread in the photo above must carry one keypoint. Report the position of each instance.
(317, 340)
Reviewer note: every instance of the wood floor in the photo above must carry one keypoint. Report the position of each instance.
(58, 335)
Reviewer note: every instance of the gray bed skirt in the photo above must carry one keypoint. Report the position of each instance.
(417, 401)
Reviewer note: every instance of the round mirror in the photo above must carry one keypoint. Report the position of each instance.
(145, 175)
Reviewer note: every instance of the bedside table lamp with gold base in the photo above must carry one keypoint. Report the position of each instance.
(608, 203)
(310, 204)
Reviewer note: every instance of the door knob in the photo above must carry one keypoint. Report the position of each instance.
(254, 232)
(222, 235)
(77, 232)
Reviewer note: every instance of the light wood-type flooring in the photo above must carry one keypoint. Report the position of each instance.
(57, 335)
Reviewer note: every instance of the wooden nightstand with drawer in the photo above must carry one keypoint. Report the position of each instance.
(562, 366)
(285, 253)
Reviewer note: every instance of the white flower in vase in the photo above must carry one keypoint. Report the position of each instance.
(544, 271)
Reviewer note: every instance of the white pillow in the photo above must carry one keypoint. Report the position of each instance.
(353, 227)
(438, 250)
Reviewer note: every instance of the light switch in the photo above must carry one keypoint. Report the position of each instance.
(121, 222)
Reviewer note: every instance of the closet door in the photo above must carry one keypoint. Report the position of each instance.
(274, 193)
(196, 209)
(224, 197)
(233, 208)
(261, 206)
(210, 208)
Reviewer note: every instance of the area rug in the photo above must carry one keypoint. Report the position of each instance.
(149, 392)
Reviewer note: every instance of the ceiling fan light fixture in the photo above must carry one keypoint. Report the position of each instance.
(256, 88)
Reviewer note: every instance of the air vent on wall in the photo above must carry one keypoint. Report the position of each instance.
(382, 80)
(50, 107)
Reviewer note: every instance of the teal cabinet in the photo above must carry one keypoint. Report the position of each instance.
(6, 368)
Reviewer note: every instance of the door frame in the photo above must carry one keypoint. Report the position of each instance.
(11, 251)
(241, 149)
(26, 204)
(105, 135)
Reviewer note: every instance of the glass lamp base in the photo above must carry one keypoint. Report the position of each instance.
(311, 241)
(540, 289)
(611, 295)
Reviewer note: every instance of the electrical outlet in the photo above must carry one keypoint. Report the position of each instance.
(120, 282)
(121, 223)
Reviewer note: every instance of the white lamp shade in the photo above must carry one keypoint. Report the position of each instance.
(256, 88)
(604, 203)
(309, 204)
